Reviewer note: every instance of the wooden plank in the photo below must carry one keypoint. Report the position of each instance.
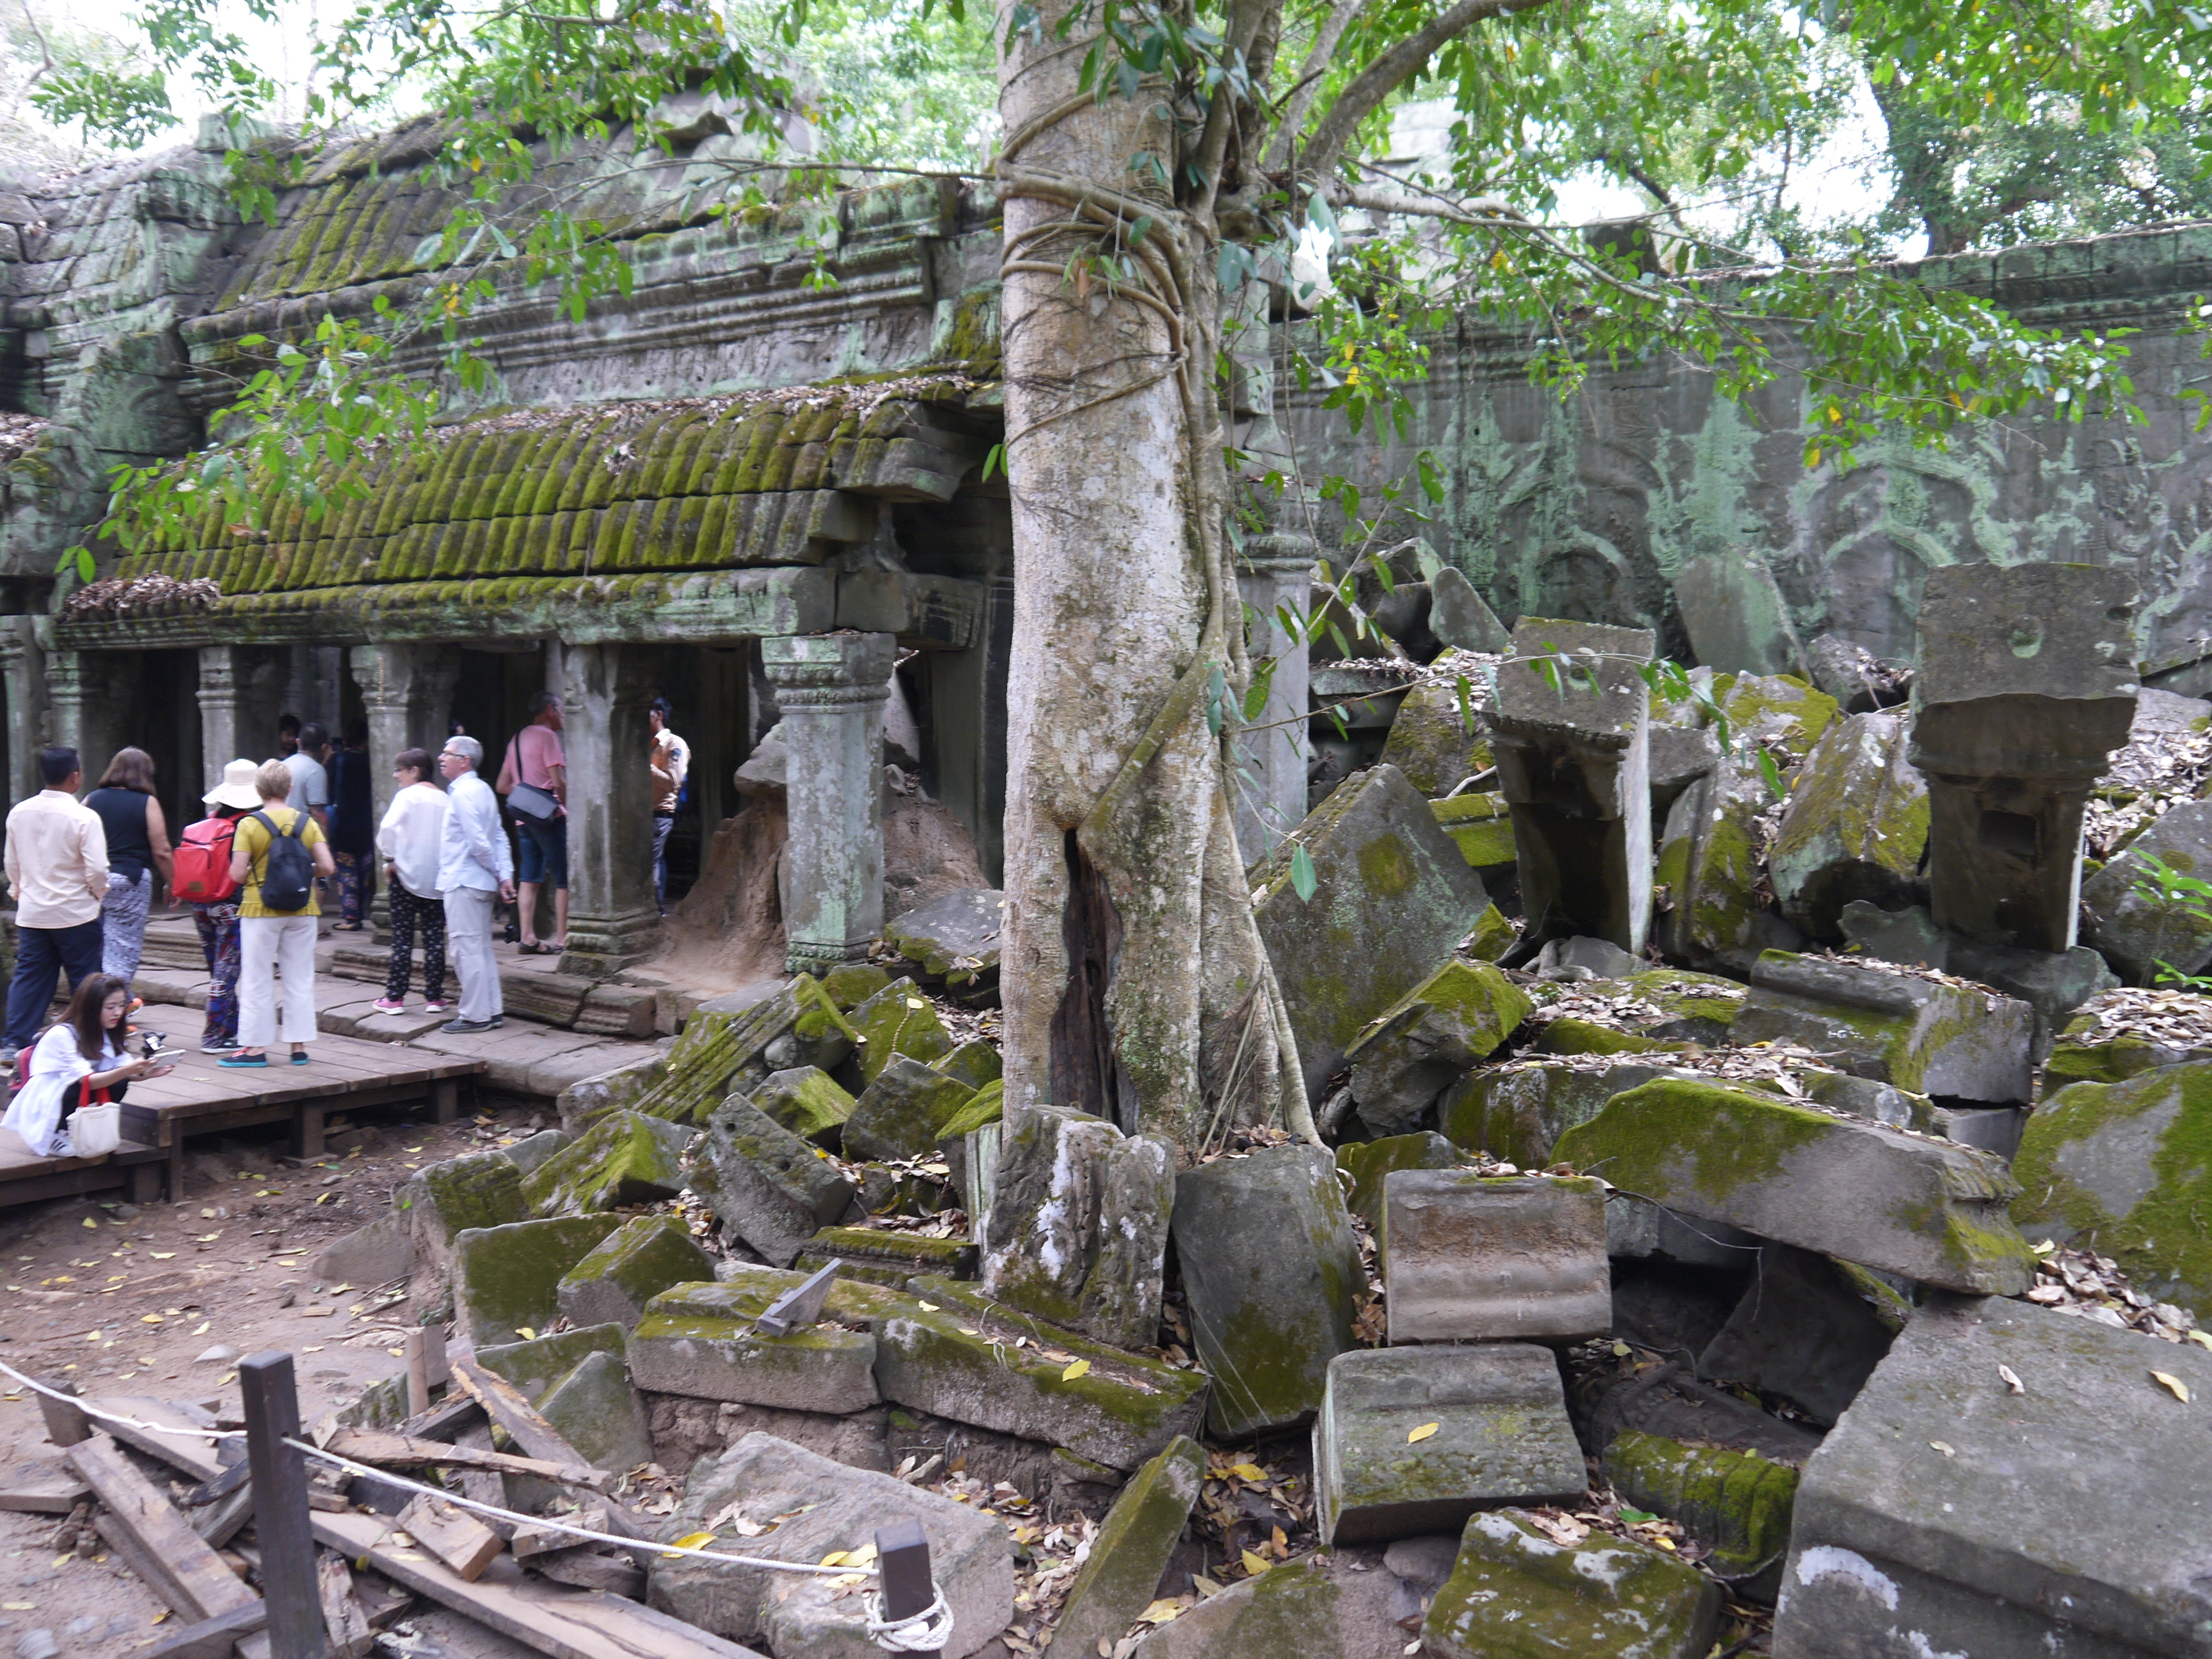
(395, 1450)
(504, 1404)
(40, 1486)
(193, 1453)
(444, 1421)
(456, 1538)
(177, 1563)
(221, 1520)
(563, 1623)
(348, 1625)
(210, 1638)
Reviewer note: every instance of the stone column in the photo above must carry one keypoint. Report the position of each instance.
(831, 688)
(612, 919)
(241, 690)
(88, 694)
(406, 694)
(23, 665)
(1274, 570)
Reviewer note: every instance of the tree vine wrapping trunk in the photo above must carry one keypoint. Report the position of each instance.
(1134, 983)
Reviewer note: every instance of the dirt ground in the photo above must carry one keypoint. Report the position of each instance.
(127, 1303)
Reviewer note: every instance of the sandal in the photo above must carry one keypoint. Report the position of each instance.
(235, 1061)
(530, 947)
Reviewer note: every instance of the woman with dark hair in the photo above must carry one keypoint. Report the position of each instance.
(79, 1060)
(413, 829)
(353, 827)
(137, 849)
(207, 847)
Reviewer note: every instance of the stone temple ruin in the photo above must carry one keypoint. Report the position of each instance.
(1762, 1207)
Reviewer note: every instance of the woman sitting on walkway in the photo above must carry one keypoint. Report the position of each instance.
(78, 1061)
(280, 851)
(138, 850)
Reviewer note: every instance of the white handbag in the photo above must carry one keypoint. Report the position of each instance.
(96, 1131)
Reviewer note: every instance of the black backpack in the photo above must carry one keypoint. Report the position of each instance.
(288, 869)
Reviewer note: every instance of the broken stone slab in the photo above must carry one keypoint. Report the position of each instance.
(1667, 1401)
(1437, 739)
(1333, 1607)
(963, 1358)
(886, 1258)
(537, 1365)
(1636, 1230)
(898, 1020)
(818, 1507)
(1893, 1026)
(2126, 1169)
(1993, 1129)
(1709, 869)
(1078, 1225)
(375, 1255)
(1572, 737)
(1738, 1503)
(1884, 1103)
(1271, 1281)
(582, 1104)
(1461, 618)
(976, 1063)
(1518, 1112)
(1481, 826)
(1497, 1427)
(1855, 827)
(1809, 1328)
(2092, 1049)
(1858, 679)
(444, 1199)
(2026, 682)
(624, 1158)
(698, 1340)
(1736, 618)
(597, 1412)
(849, 984)
(1777, 712)
(725, 1047)
(507, 1279)
(1884, 1198)
(1478, 1258)
(1391, 897)
(905, 1111)
(1680, 755)
(1494, 935)
(807, 1101)
(1130, 1553)
(1567, 961)
(2068, 1517)
(1426, 1041)
(2138, 934)
(1367, 1162)
(955, 937)
(533, 1151)
(2054, 983)
(769, 1188)
(1517, 1591)
(1569, 1035)
(628, 1268)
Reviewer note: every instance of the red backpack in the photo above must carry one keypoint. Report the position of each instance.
(202, 868)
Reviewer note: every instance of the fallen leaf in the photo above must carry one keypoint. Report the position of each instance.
(1251, 1472)
(1204, 1585)
(2172, 1385)
(2200, 1338)
(164, 1255)
(149, 1319)
(969, 1330)
(929, 1307)
(834, 1559)
(18, 1607)
(1160, 1610)
(1421, 1433)
(2012, 1380)
(88, 1222)
(861, 1557)
(1080, 1368)
(1948, 1450)
(1256, 1565)
(526, 1333)
(693, 1540)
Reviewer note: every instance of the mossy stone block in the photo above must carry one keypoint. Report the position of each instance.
(954, 938)
(1696, 1007)
(1437, 739)
(1777, 710)
(985, 1106)
(1424, 1043)
(886, 1258)
(479, 1189)
(1928, 1210)
(905, 1111)
(507, 1280)
(1494, 935)
(1131, 1552)
(807, 1101)
(537, 1365)
(1709, 870)
(766, 1185)
(700, 1341)
(2125, 1169)
(533, 1151)
(851, 983)
(1515, 1593)
(626, 1158)
(628, 1268)
(1856, 827)
(1737, 1501)
(1480, 824)
(599, 1412)
(2086, 1053)
(1586, 1036)
(1368, 1161)
(976, 1063)
(898, 1020)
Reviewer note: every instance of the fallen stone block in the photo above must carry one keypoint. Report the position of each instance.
(698, 1340)
(954, 939)
(1271, 1280)
(849, 984)
(532, 1151)
(1993, 1129)
(1572, 735)
(2116, 1036)
(905, 1111)
(599, 1413)
(1669, 1402)
(1884, 1103)
(1130, 1553)
(2066, 1517)
(898, 1020)
(1426, 1041)
(1078, 1225)
(444, 1199)
(1894, 1025)
(1885, 1198)
(960, 1359)
(1777, 711)
(976, 1063)
(535, 1366)
(725, 1047)
(886, 1258)
(1517, 1112)
(1736, 618)
(1855, 827)
(1683, 749)
(582, 1104)
(2054, 983)
(1858, 679)
(1437, 739)
(2123, 1169)
(375, 1255)
(1738, 1503)
(1496, 1432)
(1481, 825)
(817, 1507)
(1475, 1258)
(769, 1188)
(624, 1158)
(1321, 1608)
(2141, 935)
(507, 1279)
(1493, 936)
(1367, 1162)
(807, 1101)
(1709, 869)
(1518, 1593)
(1572, 961)
(1461, 618)
(628, 1268)
(1391, 897)
(1808, 1328)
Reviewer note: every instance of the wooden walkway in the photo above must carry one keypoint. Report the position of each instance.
(202, 1098)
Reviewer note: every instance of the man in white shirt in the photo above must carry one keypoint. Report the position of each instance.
(57, 864)
(473, 865)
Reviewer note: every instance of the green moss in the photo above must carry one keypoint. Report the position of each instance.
(897, 1020)
(1386, 869)
(1583, 1036)
(507, 1279)
(1368, 1161)
(1738, 1502)
(1728, 1136)
(852, 984)
(536, 1365)
(1494, 935)
(988, 1107)
(807, 1101)
(626, 1158)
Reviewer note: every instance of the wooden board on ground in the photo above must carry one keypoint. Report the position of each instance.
(343, 1621)
(40, 1486)
(504, 1404)
(453, 1535)
(210, 1638)
(565, 1624)
(398, 1450)
(169, 1554)
(194, 1453)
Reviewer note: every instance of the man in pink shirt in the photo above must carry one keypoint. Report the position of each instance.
(536, 762)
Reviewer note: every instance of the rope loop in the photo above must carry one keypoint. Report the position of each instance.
(926, 1632)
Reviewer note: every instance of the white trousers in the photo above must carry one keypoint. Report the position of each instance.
(269, 946)
(468, 951)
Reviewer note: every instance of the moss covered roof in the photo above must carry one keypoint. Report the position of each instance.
(760, 478)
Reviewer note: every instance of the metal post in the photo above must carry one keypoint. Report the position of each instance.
(903, 1554)
(280, 1508)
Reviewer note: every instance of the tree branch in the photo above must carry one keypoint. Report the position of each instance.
(1308, 82)
(1401, 63)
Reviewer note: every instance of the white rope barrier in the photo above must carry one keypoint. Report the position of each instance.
(95, 1412)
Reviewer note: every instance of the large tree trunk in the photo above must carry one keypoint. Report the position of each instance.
(1134, 983)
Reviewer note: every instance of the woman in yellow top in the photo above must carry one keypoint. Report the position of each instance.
(275, 854)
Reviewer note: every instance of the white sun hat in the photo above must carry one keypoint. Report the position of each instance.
(236, 789)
